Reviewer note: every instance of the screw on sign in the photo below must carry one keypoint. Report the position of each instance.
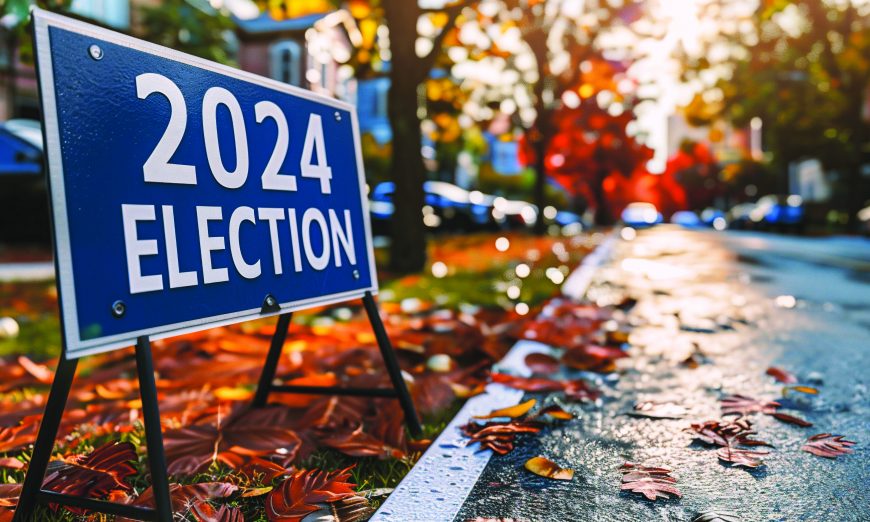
(200, 196)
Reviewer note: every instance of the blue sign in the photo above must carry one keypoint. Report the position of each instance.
(187, 194)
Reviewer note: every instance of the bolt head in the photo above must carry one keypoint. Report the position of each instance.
(356, 274)
(119, 309)
(270, 301)
(337, 116)
(96, 52)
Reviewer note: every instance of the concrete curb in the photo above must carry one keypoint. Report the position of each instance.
(442, 479)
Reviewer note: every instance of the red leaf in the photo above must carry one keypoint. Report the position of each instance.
(542, 363)
(358, 443)
(11, 463)
(294, 498)
(740, 457)
(255, 433)
(205, 512)
(499, 436)
(781, 375)
(16, 437)
(95, 475)
(653, 483)
(730, 434)
(183, 498)
(828, 446)
(527, 384)
(784, 417)
(743, 405)
(575, 390)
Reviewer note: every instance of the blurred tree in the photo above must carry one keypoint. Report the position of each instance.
(694, 168)
(192, 27)
(587, 146)
(529, 58)
(803, 68)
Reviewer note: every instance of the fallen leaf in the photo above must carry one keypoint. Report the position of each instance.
(556, 412)
(94, 475)
(828, 445)
(183, 498)
(205, 512)
(511, 412)
(547, 468)
(740, 457)
(658, 410)
(803, 389)
(743, 405)
(784, 417)
(653, 483)
(499, 436)
(11, 463)
(716, 516)
(542, 363)
(358, 443)
(299, 494)
(781, 375)
(258, 432)
(41, 372)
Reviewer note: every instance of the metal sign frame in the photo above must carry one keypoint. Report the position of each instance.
(31, 491)
(75, 346)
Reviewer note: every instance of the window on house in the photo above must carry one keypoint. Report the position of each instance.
(115, 13)
(285, 62)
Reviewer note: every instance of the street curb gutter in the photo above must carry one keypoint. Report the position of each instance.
(437, 486)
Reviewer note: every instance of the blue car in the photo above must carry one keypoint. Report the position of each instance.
(778, 212)
(24, 212)
(446, 207)
(641, 215)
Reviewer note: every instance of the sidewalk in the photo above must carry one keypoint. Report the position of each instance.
(36, 271)
(708, 322)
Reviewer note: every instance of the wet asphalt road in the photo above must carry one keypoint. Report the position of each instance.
(747, 301)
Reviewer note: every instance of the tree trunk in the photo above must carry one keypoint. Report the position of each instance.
(603, 215)
(408, 246)
(541, 144)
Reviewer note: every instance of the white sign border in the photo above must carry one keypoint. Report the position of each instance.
(74, 346)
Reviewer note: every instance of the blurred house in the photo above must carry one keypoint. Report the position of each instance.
(312, 51)
(18, 92)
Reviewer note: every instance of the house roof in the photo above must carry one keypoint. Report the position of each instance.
(264, 24)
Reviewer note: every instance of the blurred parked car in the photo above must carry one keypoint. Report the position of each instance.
(864, 220)
(778, 212)
(639, 215)
(686, 218)
(446, 207)
(713, 217)
(24, 210)
(738, 217)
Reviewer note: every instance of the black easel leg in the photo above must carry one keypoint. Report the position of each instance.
(153, 435)
(42, 449)
(271, 365)
(392, 365)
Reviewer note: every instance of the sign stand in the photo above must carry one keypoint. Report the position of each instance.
(399, 390)
(90, 200)
(32, 492)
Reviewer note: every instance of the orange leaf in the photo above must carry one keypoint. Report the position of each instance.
(547, 468)
(557, 412)
(512, 412)
(803, 389)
